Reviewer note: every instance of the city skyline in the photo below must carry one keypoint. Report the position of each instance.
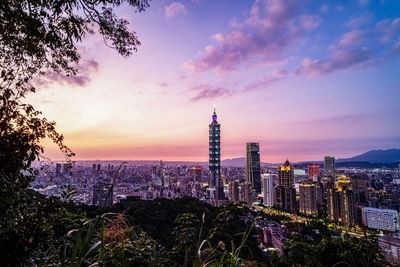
(304, 81)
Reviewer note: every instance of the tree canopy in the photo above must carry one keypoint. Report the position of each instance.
(40, 36)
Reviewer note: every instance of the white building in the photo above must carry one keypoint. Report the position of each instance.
(267, 189)
(381, 219)
(390, 246)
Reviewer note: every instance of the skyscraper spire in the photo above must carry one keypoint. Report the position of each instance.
(214, 116)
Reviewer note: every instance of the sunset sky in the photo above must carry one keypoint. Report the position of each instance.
(303, 78)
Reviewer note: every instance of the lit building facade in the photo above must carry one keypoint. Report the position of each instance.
(267, 189)
(381, 219)
(253, 168)
(285, 193)
(340, 200)
(196, 173)
(233, 191)
(102, 194)
(310, 198)
(286, 175)
(313, 172)
(390, 246)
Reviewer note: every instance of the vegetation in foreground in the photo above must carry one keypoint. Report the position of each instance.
(181, 232)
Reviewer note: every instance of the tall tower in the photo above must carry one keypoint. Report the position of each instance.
(215, 158)
(253, 173)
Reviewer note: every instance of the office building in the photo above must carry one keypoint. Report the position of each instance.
(196, 173)
(102, 194)
(313, 172)
(340, 202)
(285, 193)
(286, 175)
(267, 189)
(390, 246)
(58, 169)
(310, 198)
(233, 191)
(253, 169)
(329, 167)
(381, 219)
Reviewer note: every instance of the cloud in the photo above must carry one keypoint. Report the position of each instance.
(275, 76)
(270, 27)
(86, 69)
(388, 29)
(173, 9)
(205, 91)
(363, 2)
(351, 38)
(324, 8)
(359, 21)
(340, 58)
(163, 84)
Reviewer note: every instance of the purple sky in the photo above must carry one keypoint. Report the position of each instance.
(303, 78)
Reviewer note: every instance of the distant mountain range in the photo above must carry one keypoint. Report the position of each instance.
(370, 159)
(377, 156)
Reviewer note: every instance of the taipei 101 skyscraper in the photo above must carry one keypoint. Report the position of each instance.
(215, 183)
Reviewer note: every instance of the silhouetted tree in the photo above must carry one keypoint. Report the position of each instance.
(38, 37)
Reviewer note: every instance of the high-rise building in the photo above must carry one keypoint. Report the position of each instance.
(196, 173)
(233, 191)
(390, 246)
(286, 175)
(102, 194)
(381, 219)
(215, 183)
(245, 193)
(285, 193)
(340, 202)
(310, 198)
(313, 172)
(329, 166)
(267, 189)
(253, 172)
(58, 169)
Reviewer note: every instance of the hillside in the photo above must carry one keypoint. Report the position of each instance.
(376, 156)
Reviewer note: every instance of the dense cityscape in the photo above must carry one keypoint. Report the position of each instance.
(111, 155)
(351, 199)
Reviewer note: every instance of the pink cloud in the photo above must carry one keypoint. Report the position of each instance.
(163, 84)
(351, 38)
(85, 70)
(388, 29)
(359, 21)
(205, 91)
(275, 76)
(308, 22)
(340, 58)
(271, 26)
(173, 9)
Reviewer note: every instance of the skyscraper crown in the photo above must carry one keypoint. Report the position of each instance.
(214, 116)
